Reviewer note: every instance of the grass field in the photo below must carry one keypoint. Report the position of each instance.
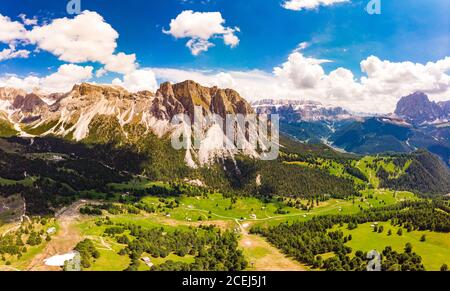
(22, 263)
(334, 168)
(216, 207)
(256, 250)
(228, 214)
(435, 251)
(138, 184)
(109, 258)
(368, 165)
(26, 182)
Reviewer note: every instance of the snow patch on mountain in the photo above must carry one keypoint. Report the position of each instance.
(301, 110)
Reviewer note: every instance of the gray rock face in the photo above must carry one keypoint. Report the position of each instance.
(418, 109)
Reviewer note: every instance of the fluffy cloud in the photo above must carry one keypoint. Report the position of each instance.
(60, 81)
(121, 63)
(28, 83)
(81, 39)
(28, 21)
(200, 27)
(378, 91)
(88, 38)
(300, 77)
(66, 76)
(384, 76)
(139, 80)
(303, 72)
(197, 46)
(11, 31)
(12, 53)
(298, 5)
(85, 38)
(253, 84)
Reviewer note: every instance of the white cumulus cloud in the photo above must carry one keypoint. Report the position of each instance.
(85, 38)
(200, 28)
(61, 81)
(66, 76)
(298, 5)
(28, 83)
(303, 78)
(11, 31)
(139, 80)
(28, 21)
(302, 71)
(12, 53)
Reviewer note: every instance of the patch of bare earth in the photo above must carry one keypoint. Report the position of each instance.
(262, 256)
(63, 242)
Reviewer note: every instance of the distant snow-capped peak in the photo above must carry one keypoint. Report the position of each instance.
(301, 110)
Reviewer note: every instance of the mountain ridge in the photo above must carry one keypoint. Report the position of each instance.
(417, 109)
(301, 110)
(71, 114)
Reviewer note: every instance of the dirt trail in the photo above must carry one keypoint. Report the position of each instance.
(263, 256)
(63, 242)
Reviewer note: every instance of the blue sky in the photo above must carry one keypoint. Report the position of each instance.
(407, 30)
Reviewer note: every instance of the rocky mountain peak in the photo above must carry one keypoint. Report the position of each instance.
(165, 89)
(28, 102)
(446, 106)
(9, 94)
(94, 90)
(78, 113)
(418, 109)
(213, 100)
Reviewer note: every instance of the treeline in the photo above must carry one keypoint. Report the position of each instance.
(426, 175)
(111, 208)
(355, 172)
(163, 163)
(16, 243)
(42, 196)
(211, 249)
(307, 241)
(78, 173)
(290, 180)
(170, 189)
(280, 179)
(87, 252)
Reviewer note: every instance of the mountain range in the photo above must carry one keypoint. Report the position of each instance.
(100, 134)
(417, 123)
(71, 115)
(295, 111)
